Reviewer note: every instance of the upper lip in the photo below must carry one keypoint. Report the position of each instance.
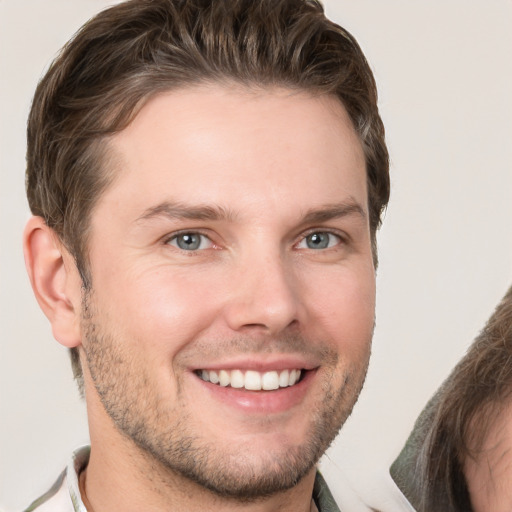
(273, 363)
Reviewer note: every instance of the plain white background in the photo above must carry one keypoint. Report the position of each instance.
(445, 78)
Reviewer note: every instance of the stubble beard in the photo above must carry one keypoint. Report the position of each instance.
(167, 438)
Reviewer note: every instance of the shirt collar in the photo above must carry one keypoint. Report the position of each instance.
(76, 465)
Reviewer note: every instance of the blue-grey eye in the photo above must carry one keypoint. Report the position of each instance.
(190, 241)
(319, 240)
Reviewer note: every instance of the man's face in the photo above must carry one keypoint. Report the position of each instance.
(231, 253)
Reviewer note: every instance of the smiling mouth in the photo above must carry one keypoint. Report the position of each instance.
(250, 379)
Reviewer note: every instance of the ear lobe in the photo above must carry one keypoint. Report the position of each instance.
(54, 279)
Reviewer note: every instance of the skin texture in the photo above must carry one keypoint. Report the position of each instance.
(489, 473)
(254, 172)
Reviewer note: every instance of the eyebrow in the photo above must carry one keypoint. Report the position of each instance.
(182, 211)
(334, 211)
(218, 213)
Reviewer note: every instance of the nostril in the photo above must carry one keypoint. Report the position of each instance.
(266, 298)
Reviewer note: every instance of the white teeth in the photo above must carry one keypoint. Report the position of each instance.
(224, 378)
(252, 380)
(237, 379)
(284, 378)
(270, 380)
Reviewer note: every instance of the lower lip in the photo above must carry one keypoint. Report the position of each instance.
(261, 402)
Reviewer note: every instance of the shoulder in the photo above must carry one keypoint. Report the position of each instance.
(346, 497)
(64, 495)
(57, 499)
(373, 491)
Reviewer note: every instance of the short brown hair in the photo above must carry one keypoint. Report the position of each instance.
(131, 51)
(455, 423)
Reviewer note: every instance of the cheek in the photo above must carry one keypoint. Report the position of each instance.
(343, 303)
(161, 308)
(489, 476)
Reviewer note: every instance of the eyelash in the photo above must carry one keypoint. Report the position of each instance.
(175, 236)
(342, 239)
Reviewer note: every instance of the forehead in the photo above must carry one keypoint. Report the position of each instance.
(207, 142)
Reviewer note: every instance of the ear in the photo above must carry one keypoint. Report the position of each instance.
(54, 279)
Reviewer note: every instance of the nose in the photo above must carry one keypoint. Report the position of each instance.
(265, 296)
